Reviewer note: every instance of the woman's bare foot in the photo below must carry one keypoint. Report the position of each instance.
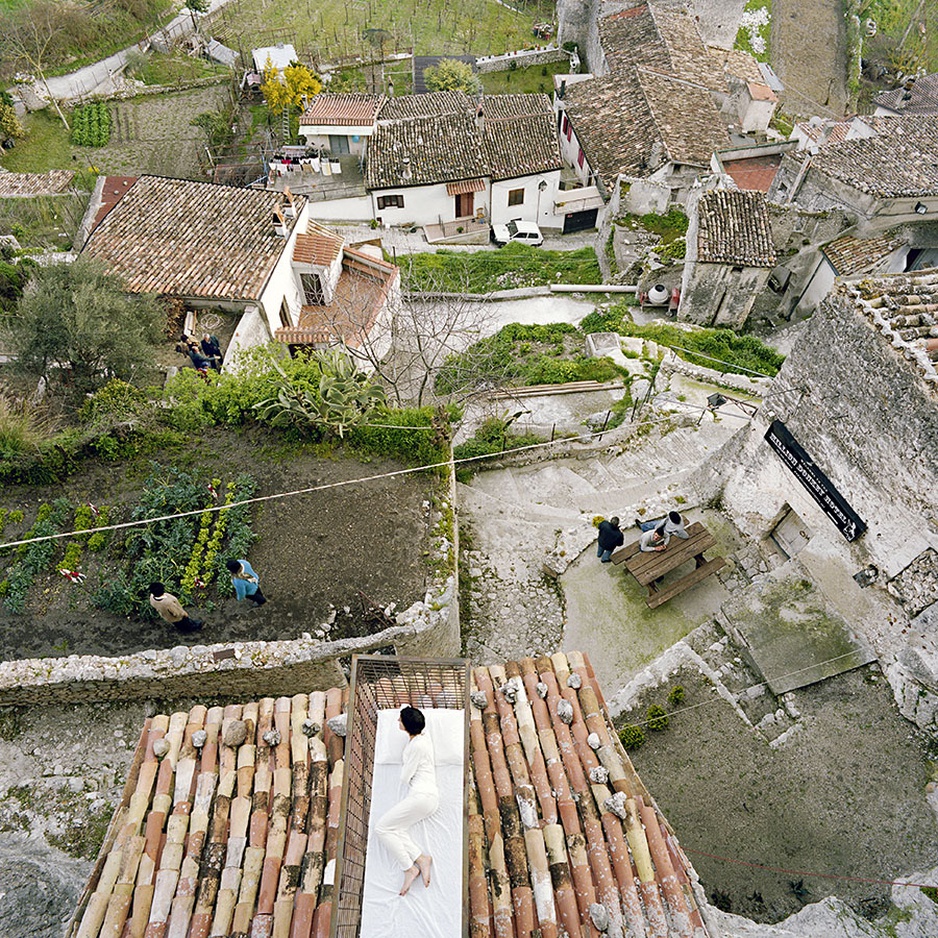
(410, 877)
(424, 862)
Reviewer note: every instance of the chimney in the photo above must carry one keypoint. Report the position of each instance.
(280, 223)
(480, 118)
(287, 205)
(406, 173)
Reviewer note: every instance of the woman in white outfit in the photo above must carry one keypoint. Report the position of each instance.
(421, 801)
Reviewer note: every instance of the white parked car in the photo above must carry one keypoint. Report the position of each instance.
(520, 232)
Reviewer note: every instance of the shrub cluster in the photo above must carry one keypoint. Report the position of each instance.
(738, 353)
(524, 355)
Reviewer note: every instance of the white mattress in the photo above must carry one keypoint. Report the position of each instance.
(434, 912)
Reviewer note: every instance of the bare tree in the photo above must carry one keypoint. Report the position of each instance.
(406, 347)
(36, 33)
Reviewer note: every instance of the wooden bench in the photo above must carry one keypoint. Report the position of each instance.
(649, 566)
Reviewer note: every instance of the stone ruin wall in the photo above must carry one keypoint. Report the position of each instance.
(870, 423)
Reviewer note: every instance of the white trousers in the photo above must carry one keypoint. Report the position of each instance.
(393, 828)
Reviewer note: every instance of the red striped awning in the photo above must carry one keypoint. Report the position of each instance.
(464, 186)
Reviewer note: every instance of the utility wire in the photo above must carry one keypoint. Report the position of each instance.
(330, 485)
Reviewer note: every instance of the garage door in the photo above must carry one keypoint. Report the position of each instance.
(580, 221)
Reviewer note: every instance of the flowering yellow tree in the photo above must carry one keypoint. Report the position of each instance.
(291, 88)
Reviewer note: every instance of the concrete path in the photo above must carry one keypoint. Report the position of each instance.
(517, 519)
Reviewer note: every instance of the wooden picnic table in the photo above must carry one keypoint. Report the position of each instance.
(649, 566)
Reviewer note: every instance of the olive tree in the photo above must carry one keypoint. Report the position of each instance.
(75, 325)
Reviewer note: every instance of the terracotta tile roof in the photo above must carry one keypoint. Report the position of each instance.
(182, 238)
(360, 296)
(755, 173)
(442, 148)
(666, 40)
(759, 91)
(904, 308)
(733, 228)
(921, 98)
(25, 185)
(562, 817)
(112, 192)
(614, 125)
(434, 104)
(690, 60)
(444, 143)
(737, 63)
(823, 131)
(850, 256)
(343, 110)
(520, 136)
(900, 160)
(218, 804)
(318, 246)
(686, 117)
(231, 818)
(630, 37)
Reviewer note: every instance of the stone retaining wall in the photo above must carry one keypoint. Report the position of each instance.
(522, 59)
(248, 669)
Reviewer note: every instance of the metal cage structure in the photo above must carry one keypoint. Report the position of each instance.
(383, 682)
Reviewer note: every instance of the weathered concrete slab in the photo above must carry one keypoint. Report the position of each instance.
(790, 631)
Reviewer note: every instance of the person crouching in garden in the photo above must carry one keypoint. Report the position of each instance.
(245, 581)
(171, 610)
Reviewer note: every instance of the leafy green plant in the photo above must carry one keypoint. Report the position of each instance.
(657, 718)
(91, 125)
(343, 398)
(33, 559)
(491, 438)
(99, 540)
(676, 695)
(631, 736)
(524, 355)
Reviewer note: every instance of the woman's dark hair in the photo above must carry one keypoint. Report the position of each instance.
(234, 566)
(413, 720)
(157, 589)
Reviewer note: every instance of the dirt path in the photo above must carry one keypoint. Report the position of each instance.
(809, 54)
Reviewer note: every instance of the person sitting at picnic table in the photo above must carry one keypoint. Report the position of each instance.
(672, 523)
(652, 539)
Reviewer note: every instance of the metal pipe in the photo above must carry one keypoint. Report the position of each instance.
(590, 288)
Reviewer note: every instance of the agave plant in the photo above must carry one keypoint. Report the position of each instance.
(345, 397)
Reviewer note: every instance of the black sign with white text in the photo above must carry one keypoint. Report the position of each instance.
(819, 487)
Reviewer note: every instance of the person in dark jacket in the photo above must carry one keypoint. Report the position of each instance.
(610, 537)
(171, 610)
(211, 349)
(199, 361)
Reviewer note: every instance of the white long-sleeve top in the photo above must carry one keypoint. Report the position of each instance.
(418, 769)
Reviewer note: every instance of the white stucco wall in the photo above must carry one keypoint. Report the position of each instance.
(423, 205)
(282, 282)
(354, 209)
(318, 136)
(537, 206)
